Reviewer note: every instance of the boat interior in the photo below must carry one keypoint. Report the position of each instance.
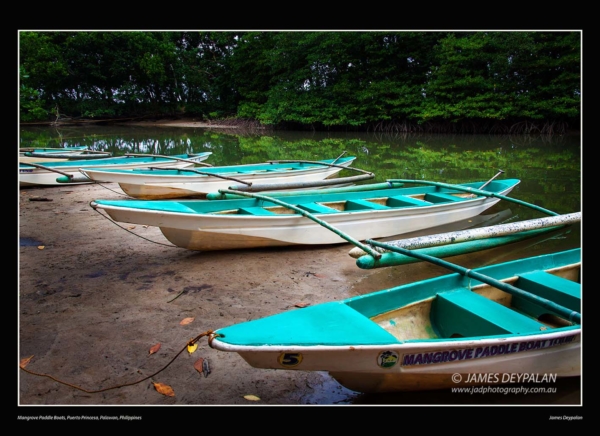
(484, 310)
(377, 203)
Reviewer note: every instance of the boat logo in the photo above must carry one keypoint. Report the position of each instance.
(289, 359)
(387, 359)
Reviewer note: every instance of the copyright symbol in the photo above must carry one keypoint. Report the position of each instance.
(456, 378)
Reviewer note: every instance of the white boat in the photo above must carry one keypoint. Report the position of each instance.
(46, 173)
(153, 184)
(517, 322)
(41, 155)
(266, 221)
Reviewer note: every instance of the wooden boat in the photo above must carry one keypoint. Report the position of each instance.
(514, 322)
(156, 183)
(266, 221)
(46, 174)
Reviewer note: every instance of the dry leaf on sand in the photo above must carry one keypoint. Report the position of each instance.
(198, 365)
(202, 366)
(164, 389)
(25, 361)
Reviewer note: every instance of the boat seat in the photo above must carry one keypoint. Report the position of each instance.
(317, 208)
(466, 313)
(403, 201)
(562, 291)
(254, 211)
(438, 197)
(280, 170)
(363, 204)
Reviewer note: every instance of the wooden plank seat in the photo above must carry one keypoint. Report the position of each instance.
(466, 313)
(405, 201)
(362, 205)
(255, 211)
(317, 208)
(562, 291)
(439, 197)
(280, 170)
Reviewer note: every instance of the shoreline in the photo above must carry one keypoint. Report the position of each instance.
(164, 122)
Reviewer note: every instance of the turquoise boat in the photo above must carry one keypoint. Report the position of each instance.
(42, 155)
(514, 322)
(160, 184)
(46, 173)
(310, 218)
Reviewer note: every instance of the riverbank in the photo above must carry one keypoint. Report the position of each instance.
(95, 297)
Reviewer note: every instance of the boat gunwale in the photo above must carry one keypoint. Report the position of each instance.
(75, 165)
(425, 343)
(283, 168)
(233, 213)
(152, 206)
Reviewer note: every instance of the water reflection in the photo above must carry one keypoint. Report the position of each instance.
(549, 168)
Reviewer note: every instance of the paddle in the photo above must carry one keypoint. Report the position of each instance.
(475, 191)
(308, 215)
(321, 163)
(169, 157)
(257, 187)
(203, 173)
(356, 188)
(561, 310)
(338, 158)
(47, 168)
(490, 181)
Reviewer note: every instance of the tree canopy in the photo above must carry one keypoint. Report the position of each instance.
(469, 81)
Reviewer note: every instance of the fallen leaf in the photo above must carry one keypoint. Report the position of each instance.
(251, 397)
(41, 247)
(205, 368)
(164, 389)
(25, 361)
(145, 227)
(131, 227)
(302, 304)
(198, 365)
(192, 348)
(154, 349)
(186, 321)
(320, 276)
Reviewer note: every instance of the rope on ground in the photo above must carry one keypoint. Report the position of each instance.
(135, 234)
(24, 362)
(111, 190)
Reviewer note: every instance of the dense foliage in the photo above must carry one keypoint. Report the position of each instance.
(396, 81)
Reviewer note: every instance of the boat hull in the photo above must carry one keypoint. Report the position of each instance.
(206, 232)
(35, 176)
(358, 367)
(154, 187)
